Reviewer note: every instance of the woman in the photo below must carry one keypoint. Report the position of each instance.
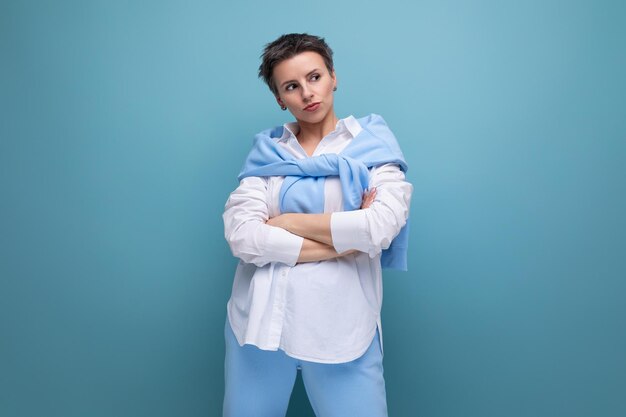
(311, 238)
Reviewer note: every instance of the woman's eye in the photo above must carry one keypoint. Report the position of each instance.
(316, 76)
(288, 87)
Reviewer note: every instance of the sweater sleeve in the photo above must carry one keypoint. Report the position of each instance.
(249, 238)
(372, 229)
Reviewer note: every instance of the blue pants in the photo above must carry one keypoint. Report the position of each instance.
(259, 382)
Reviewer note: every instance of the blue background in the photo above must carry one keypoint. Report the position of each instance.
(124, 124)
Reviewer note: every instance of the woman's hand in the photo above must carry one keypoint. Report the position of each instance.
(368, 198)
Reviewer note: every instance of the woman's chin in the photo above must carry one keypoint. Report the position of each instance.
(315, 117)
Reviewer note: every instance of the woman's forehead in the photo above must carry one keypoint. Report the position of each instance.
(299, 65)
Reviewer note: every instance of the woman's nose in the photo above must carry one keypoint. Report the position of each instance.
(306, 93)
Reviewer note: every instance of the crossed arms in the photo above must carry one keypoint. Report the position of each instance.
(316, 231)
(290, 238)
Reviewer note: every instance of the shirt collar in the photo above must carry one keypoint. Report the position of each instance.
(348, 123)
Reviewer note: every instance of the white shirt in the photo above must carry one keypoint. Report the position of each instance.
(325, 311)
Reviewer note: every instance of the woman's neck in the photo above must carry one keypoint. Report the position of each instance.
(311, 134)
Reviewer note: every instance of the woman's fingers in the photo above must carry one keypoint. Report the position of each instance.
(368, 198)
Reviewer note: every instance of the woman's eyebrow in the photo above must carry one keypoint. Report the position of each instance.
(313, 70)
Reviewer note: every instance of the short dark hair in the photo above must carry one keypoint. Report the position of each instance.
(285, 47)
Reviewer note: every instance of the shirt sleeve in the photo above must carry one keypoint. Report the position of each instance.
(249, 238)
(372, 229)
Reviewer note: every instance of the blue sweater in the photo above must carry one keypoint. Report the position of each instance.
(303, 188)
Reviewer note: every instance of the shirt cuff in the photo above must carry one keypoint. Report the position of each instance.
(283, 246)
(349, 231)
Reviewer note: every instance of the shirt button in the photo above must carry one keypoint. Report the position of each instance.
(284, 273)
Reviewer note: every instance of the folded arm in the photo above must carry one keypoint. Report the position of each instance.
(313, 250)
(369, 229)
(316, 227)
(254, 241)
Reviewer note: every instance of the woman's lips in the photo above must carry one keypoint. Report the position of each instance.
(312, 107)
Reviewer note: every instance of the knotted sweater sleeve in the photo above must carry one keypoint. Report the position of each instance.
(372, 229)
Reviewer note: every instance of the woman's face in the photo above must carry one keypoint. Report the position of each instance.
(303, 80)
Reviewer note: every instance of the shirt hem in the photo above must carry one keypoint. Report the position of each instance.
(360, 352)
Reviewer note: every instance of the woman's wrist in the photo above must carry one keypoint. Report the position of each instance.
(311, 226)
(312, 251)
